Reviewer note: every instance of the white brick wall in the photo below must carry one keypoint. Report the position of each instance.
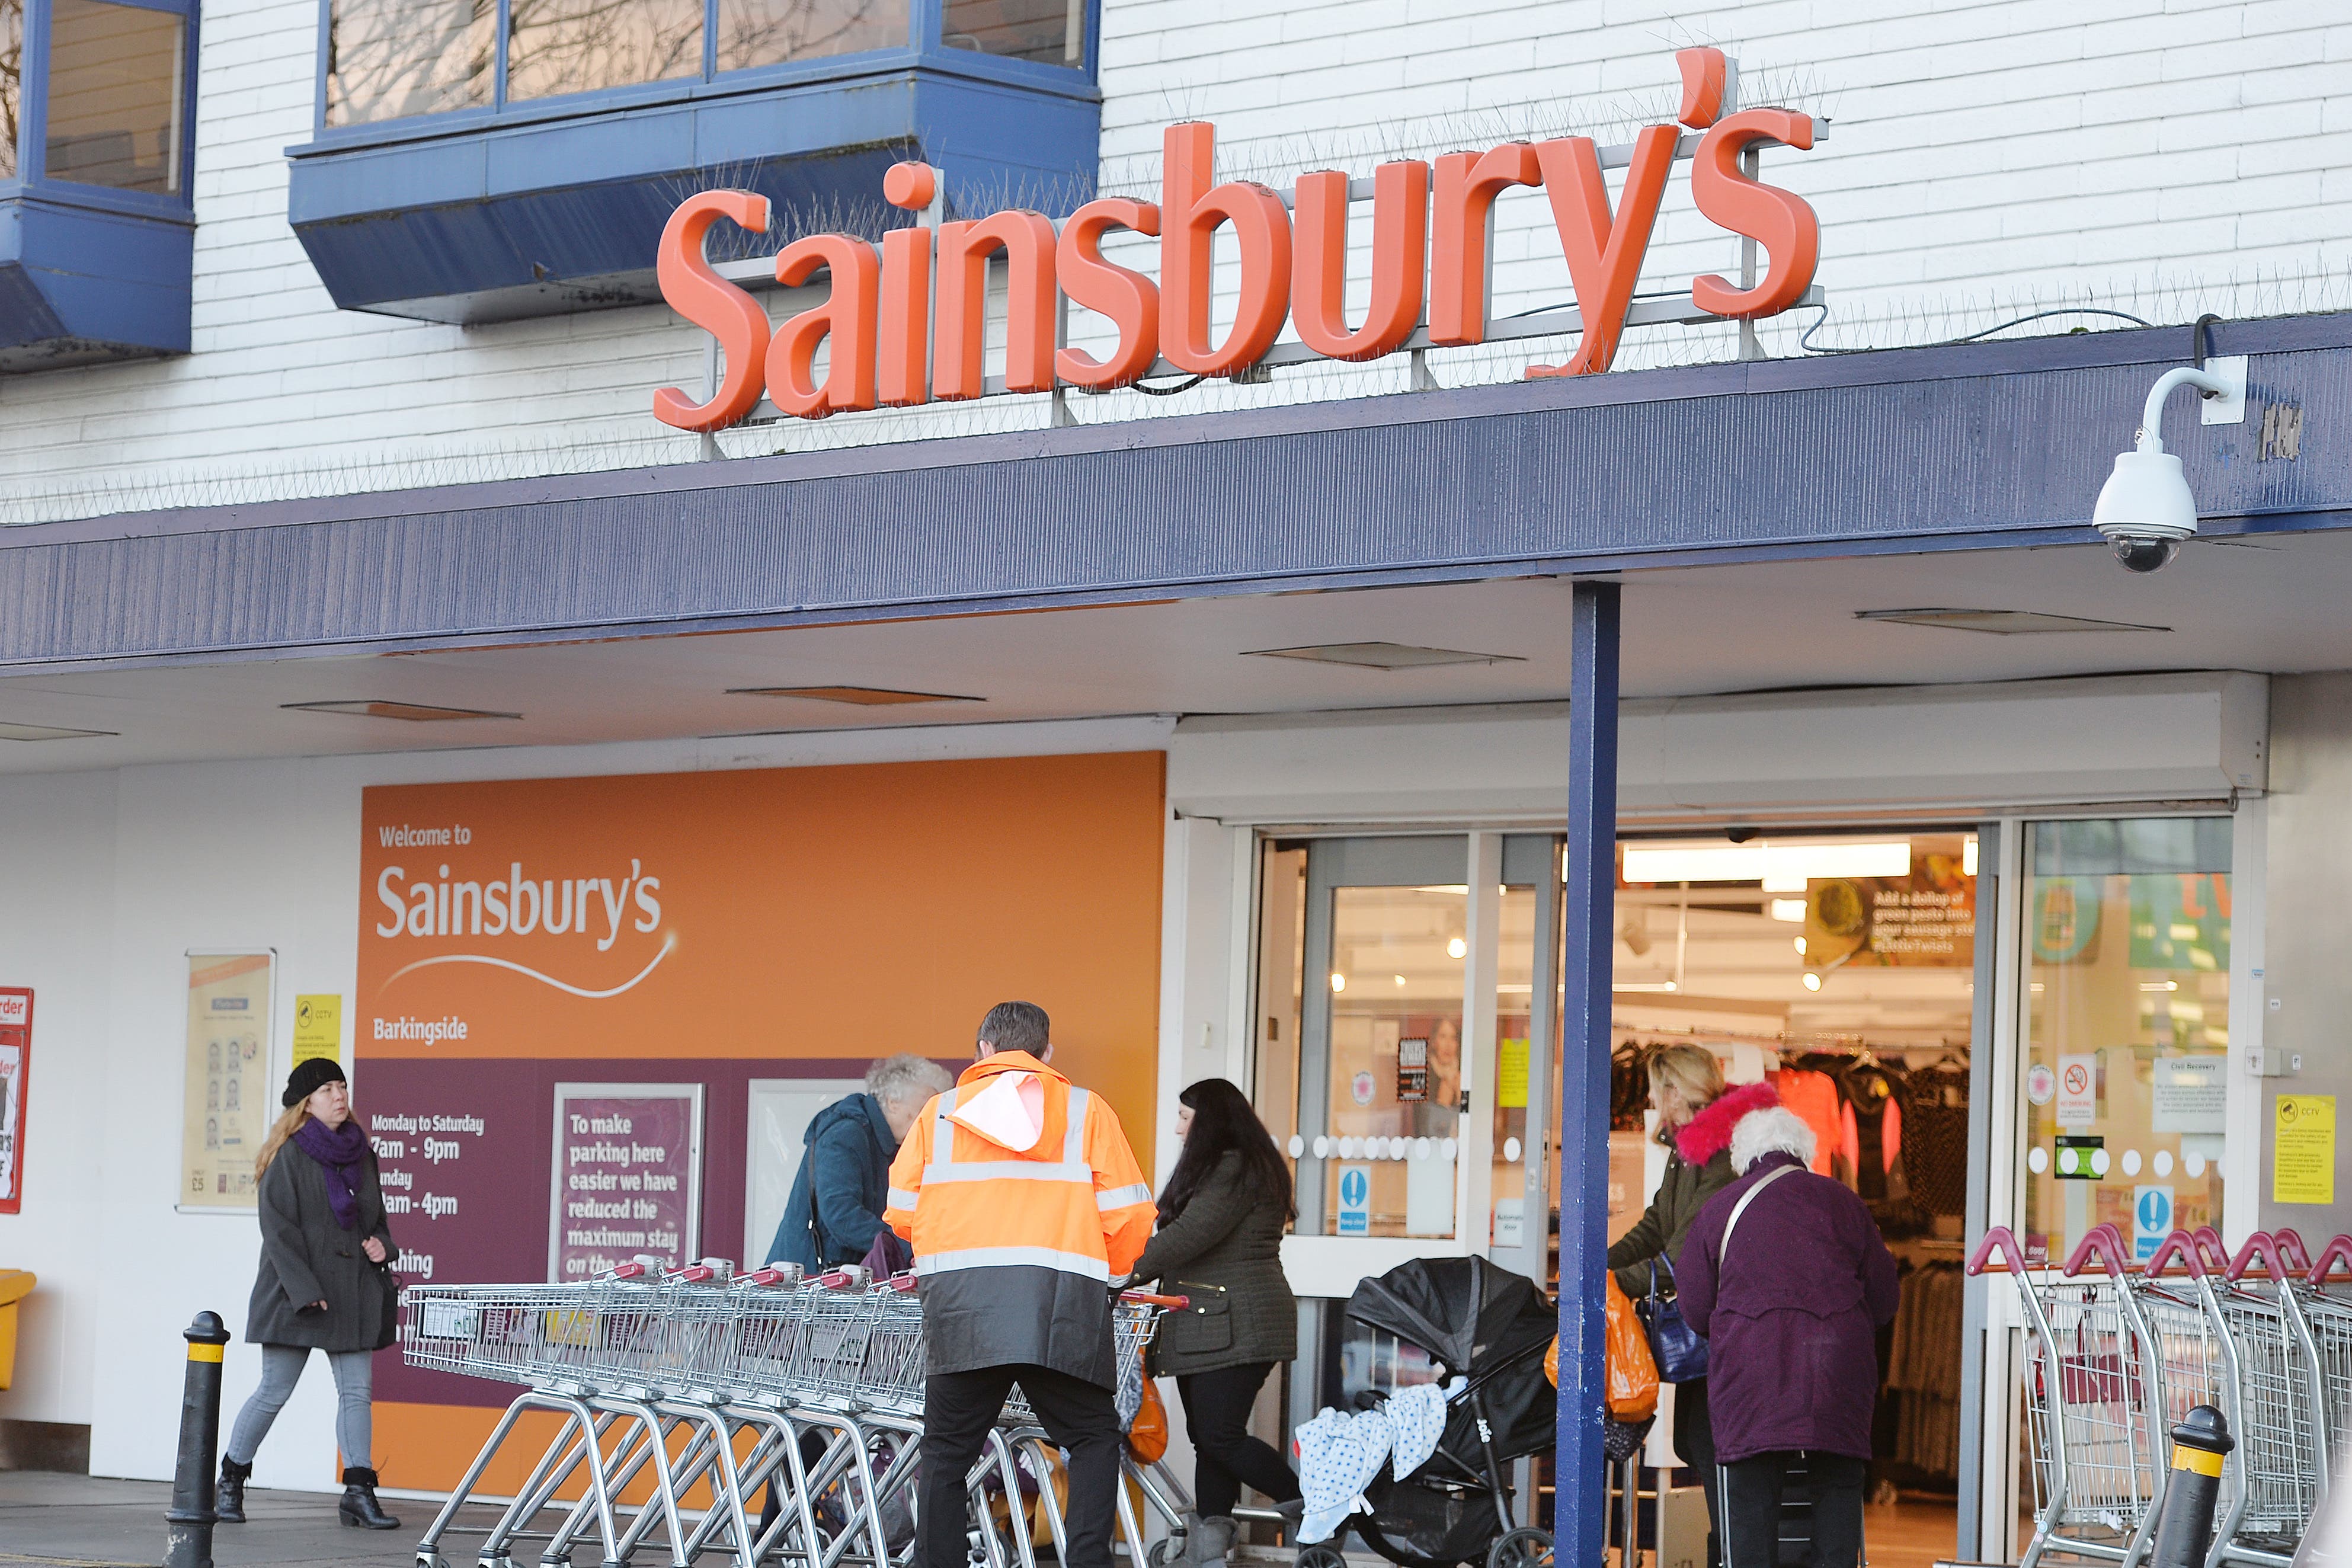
(2155, 156)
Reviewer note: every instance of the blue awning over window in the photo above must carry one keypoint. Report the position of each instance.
(487, 220)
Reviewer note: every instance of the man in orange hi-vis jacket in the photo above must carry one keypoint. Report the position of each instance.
(1023, 1202)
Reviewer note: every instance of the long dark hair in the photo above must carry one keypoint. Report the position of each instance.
(1223, 1120)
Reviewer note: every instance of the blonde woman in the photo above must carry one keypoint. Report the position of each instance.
(1696, 1117)
(325, 1283)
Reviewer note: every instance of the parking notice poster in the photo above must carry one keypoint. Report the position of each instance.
(628, 1177)
(226, 1098)
(15, 1053)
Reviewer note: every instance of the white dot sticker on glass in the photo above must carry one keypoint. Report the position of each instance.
(1347, 1147)
(2037, 1160)
(2067, 1159)
(2131, 1162)
(2194, 1164)
(2164, 1161)
(1421, 1148)
(1510, 1151)
(1445, 1148)
(1298, 1146)
(2099, 1162)
(1322, 1147)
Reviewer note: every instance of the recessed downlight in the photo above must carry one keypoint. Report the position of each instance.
(855, 696)
(407, 713)
(51, 732)
(1383, 655)
(2001, 623)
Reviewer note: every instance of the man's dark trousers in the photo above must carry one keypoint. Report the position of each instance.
(959, 1408)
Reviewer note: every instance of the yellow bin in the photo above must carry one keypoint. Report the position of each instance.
(16, 1284)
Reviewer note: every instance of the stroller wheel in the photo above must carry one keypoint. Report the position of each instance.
(1320, 1556)
(1521, 1549)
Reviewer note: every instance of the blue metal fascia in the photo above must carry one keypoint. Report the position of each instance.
(81, 284)
(1747, 462)
(504, 221)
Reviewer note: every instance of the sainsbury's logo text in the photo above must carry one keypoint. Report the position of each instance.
(517, 905)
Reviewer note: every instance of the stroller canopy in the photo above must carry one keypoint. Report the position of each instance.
(1464, 1312)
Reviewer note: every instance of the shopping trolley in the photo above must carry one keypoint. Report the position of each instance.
(671, 1380)
(2090, 1358)
(2281, 1456)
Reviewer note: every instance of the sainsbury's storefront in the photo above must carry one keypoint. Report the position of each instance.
(1278, 743)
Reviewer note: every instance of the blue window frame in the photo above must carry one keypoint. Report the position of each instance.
(96, 226)
(480, 160)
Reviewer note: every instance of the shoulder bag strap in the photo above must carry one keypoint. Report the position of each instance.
(1739, 1208)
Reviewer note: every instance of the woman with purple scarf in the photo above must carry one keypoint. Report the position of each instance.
(325, 1283)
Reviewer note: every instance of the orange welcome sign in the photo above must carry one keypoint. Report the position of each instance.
(800, 912)
(902, 324)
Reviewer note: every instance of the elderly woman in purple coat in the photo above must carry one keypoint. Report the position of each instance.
(1785, 1274)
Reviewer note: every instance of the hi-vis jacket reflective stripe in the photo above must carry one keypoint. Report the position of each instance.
(1014, 1247)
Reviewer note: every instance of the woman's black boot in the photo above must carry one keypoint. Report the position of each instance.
(359, 1505)
(228, 1498)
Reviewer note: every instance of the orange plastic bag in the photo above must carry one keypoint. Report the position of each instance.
(1146, 1434)
(1633, 1392)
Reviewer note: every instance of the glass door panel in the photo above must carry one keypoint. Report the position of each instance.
(2127, 1010)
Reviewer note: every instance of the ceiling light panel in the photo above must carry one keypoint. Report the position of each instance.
(1779, 867)
(2001, 623)
(854, 696)
(407, 713)
(49, 733)
(1382, 655)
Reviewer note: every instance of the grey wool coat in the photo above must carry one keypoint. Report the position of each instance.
(306, 1257)
(1223, 1250)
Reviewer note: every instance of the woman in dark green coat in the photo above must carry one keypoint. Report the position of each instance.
(1220, 1244)
(1695, 1121)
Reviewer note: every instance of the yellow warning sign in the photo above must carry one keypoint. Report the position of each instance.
(318, 1028)
(2303, 1149)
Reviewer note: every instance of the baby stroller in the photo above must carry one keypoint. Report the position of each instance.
(1490, 1327)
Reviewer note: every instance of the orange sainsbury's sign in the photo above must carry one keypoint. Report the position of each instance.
(903, 322)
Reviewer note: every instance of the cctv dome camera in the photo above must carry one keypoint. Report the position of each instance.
(2144, 554)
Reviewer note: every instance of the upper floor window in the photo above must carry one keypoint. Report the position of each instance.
(12, 81)
(390, 59)
(113, 108)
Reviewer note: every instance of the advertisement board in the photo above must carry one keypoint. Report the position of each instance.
(228, 1095)
(16, 1062)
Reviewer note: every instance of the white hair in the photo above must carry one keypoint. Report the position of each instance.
(906, 1079)
(1775, 1130)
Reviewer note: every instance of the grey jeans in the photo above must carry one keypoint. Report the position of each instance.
(281, 1366)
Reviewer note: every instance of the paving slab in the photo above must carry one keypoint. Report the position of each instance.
(49, 1521)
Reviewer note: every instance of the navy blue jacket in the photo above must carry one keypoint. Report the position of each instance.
(836, 1206)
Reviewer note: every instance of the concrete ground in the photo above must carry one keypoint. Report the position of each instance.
(49, 1521)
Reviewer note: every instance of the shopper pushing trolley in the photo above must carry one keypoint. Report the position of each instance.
(1023, 1201)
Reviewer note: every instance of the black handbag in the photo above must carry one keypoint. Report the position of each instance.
(1675, 1345)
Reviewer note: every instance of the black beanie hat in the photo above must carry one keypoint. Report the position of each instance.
(309, 1078)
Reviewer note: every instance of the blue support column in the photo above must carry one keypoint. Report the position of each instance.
(1589, 917)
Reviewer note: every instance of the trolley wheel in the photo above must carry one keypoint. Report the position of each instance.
(1523, 1547)
(1164, 1551)
(1320, 1556)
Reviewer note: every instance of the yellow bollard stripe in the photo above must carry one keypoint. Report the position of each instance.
(213, 1353)
(2202, 1461)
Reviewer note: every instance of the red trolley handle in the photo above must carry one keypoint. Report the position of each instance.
(850, 1276)
(693, 1273)
(2102, 1242)
(902, 1281)
(2291, 1249)
(768, 1276)
(2338, 1250)
(624, 1271)
(2212, 1249)
(1149, 1299)
(2178, 1242)
(2000, 1239)
(2261, 1248)
(2122, 1247)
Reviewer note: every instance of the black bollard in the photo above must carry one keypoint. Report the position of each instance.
(2184, 1528)
(189, 1543)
